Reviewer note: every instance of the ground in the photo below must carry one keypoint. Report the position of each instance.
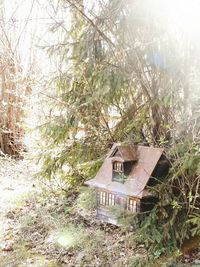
(41, 226)
(15, 181)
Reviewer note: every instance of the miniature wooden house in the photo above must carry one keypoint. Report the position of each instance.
(124, 177)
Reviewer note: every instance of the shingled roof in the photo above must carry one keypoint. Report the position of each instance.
(147, 159)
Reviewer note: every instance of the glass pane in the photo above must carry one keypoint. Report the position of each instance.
(117, 166)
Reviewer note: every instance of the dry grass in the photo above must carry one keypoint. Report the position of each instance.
(51, 226)
(49, 230)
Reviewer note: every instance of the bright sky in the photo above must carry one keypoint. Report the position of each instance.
(27, 23)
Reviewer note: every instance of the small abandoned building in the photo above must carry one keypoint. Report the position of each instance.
(124, 177)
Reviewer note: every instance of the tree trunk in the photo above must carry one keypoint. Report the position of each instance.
(10, 97)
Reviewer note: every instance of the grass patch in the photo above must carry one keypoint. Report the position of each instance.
(52, 230)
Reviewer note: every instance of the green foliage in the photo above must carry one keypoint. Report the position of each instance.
(168, 225)
(103, 74)
(195, 221)
(118, 212)
(87, 199)
(109, 66)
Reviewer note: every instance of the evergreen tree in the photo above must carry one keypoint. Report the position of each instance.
(124, 57)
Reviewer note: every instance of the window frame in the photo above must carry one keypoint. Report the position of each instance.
(118, 166)
(102, 196)
(132, 205)
(118, 171)
(105, 198)
(111, 199)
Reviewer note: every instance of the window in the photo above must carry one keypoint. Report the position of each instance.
(118, 172)
(102, 198)
(111, 199)
(121, 170)
(117, 166)
(132, 205)
(105, 198)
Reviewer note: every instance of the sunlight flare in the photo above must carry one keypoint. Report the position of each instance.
(66, 239)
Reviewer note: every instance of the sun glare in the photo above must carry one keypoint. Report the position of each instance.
(186, 14)
(181, 14)
(66, 240)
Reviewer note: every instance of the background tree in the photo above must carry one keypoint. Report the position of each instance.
(14, 87)
(127, 59)
(116, 59)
